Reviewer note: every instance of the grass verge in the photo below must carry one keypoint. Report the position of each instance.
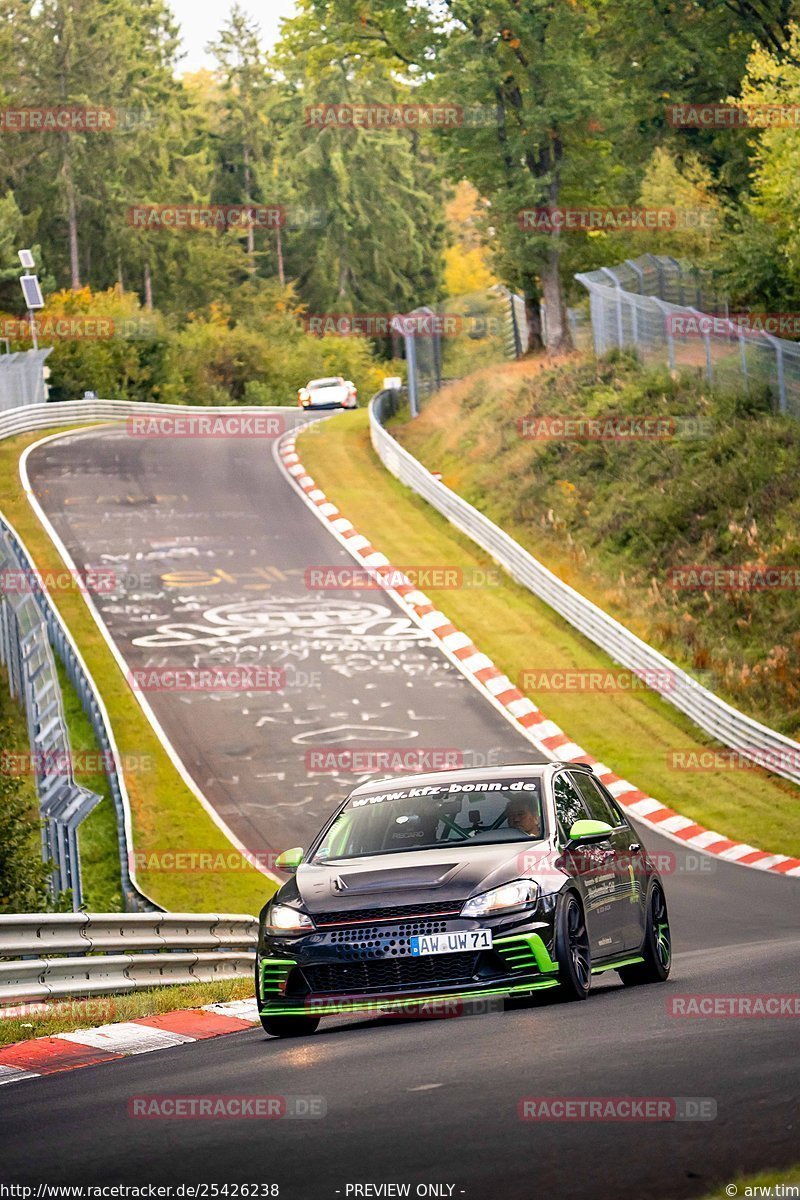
(166, 816)
(64, 1016)
(633, 733)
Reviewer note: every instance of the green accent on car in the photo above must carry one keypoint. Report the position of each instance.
(290, 859)
(589, 829)
(325, 1008)
(524, 951)
(274, 973)
(618, 962)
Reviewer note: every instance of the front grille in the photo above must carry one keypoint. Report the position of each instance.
(381, 941)
(397, 913)
(392, 973)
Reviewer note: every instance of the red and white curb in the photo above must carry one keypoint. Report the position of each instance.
(498, 688)
(107, 1043)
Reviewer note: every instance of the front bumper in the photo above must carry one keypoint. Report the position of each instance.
(307, 977)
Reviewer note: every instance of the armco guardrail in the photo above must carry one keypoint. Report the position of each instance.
(25, 651)
(29, 418)
(722, 721)
(47, 739)
(54, 955)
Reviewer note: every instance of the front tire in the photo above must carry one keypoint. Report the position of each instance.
(657, 947)
(286, 1027)
(289, 1027)
(573, 954)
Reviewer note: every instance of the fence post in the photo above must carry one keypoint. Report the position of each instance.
(664, 310)
(707, 343)
(411, 361)
(634, 266)
(778, 347)
(618, 288)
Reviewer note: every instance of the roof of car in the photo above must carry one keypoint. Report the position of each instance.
(327, 382)
(525, 770)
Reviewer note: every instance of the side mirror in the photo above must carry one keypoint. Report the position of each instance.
(290, 860)
(589, 833)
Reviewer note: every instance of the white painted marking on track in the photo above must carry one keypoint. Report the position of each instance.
(126, 1037)
(12, 1074)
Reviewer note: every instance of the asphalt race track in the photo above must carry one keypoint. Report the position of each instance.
(203, 549)
(407, 1101)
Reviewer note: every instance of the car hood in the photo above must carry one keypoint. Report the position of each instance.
(418, 877)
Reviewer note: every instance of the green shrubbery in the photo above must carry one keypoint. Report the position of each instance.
(251, 351)
(619, 515)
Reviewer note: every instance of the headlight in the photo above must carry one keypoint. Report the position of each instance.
(517, 894)
(281, 918)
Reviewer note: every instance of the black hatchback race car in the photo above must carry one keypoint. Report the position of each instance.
(458, 885)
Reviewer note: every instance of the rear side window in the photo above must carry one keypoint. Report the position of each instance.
(569, 803)
(599, 807)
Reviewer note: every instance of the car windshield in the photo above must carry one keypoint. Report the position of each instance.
(323, 383)
(446, 814)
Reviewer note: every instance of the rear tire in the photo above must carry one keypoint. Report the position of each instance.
(573, 954)
(657, 946)
(286, 1027)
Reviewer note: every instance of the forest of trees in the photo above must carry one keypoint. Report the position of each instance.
(562, 103)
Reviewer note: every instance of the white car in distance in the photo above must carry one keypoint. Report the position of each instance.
(334, 392)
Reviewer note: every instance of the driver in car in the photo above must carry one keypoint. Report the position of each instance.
(521, 815)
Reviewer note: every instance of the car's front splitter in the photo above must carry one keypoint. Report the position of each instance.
(323, 1006)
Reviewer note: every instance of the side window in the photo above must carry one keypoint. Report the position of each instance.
(569, 804)
(598, 806)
